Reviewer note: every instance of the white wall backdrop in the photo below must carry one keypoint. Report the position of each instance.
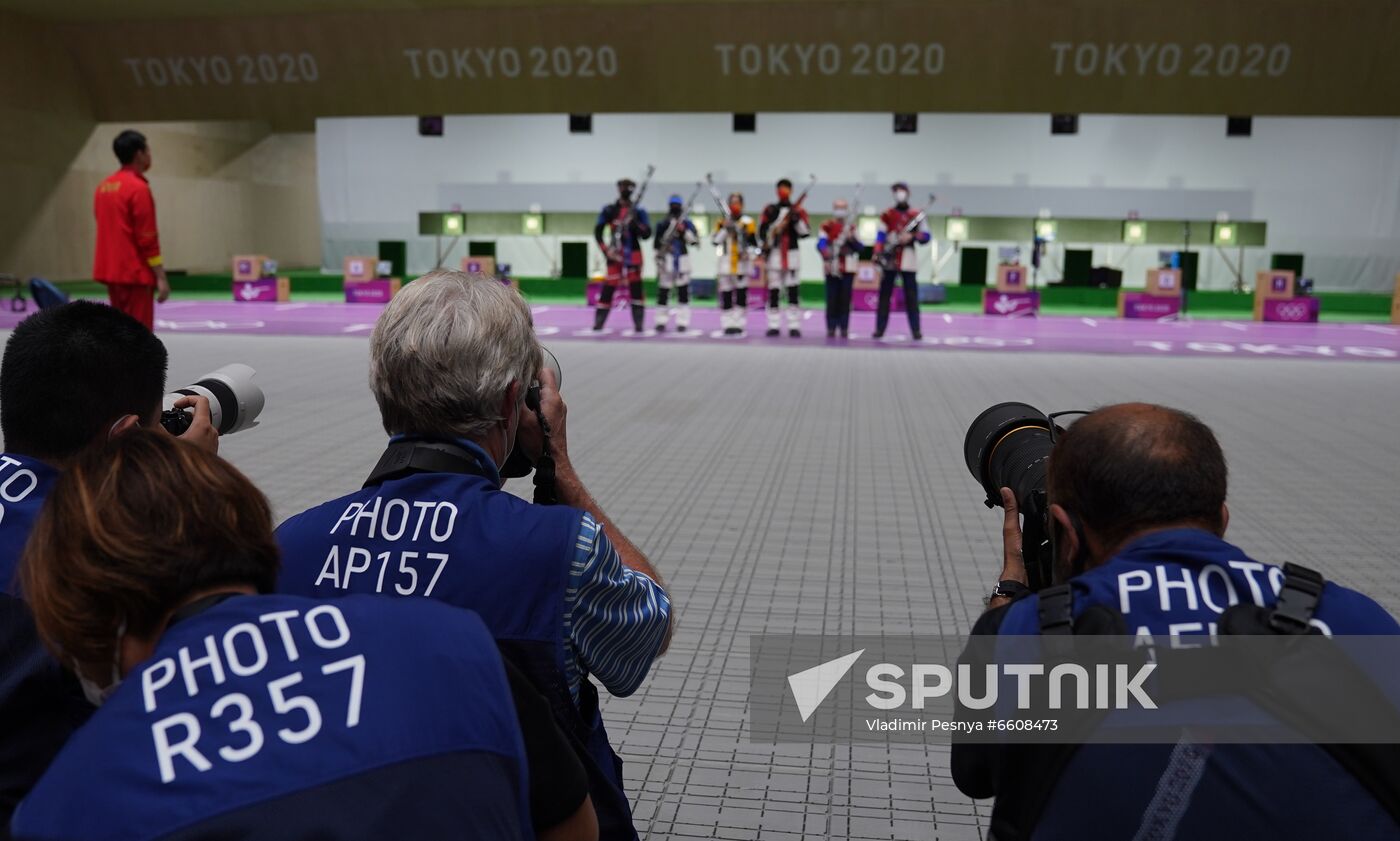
(1329, 188)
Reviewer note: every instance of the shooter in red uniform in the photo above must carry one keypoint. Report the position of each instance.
(626, 226)
(782, 224)
(128, 248)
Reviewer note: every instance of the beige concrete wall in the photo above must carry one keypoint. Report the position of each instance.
(220, 188)
(45, 118)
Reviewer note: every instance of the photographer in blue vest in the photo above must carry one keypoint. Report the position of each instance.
(568, 597)
(230, 713)
(1137, 516)
(71, 375)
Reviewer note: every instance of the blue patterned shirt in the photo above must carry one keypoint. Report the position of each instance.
(615, 618)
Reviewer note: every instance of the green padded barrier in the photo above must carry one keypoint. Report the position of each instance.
(396, 252)
(1287, 262)
(973, 270)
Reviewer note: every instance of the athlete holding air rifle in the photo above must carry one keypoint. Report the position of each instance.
(736, 239)
(840, 250)
(626, 225)
(782, 224)
(675, 236)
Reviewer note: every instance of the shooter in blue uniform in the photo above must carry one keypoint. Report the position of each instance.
(675, 236)
(619, 232)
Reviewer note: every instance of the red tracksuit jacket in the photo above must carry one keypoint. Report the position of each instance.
(127, 242)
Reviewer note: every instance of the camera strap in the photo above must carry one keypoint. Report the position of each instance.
(1056, 610)
(546, 490)
(1292, 613)
(405, 458)
(1297, 600)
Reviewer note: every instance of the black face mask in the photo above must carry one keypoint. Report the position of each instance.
(675, 211)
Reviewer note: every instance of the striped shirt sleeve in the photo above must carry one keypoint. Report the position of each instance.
(616, 618)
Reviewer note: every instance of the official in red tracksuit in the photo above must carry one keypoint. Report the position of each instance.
(128, 248)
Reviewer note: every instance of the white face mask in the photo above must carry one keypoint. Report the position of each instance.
(839, 213)
(95, 694)
(901, 196)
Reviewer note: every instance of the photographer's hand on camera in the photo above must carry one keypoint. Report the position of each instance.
(1013, 563)
(201, 433)
(552, 407)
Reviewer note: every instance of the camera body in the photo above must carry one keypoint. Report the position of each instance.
(235, 401)
(517, 464)
(176, 421)
(1008, 446)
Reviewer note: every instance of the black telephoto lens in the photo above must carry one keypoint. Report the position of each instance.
(1008, 446)
(999, 447)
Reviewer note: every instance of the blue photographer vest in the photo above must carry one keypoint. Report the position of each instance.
(40, 702)
(1179, 582)
(458, 538)
(40, 706)
(24, 485)
(285, 717)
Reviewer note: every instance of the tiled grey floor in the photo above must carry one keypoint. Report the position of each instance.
(783, 489)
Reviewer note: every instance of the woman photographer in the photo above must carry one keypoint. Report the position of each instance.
(230, 713)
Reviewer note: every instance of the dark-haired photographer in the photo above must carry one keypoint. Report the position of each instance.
(71, 376)
(1129, 515)
(569, 598)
